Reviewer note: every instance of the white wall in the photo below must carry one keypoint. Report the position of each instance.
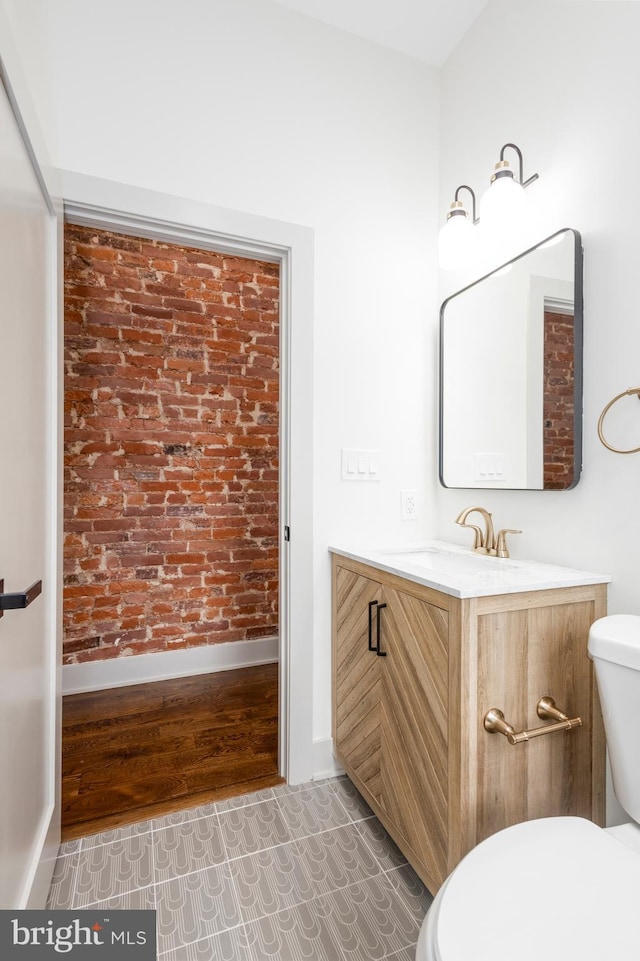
(560, 80)
(247, 105)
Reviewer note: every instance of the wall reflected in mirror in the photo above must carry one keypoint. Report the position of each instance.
(511, 373)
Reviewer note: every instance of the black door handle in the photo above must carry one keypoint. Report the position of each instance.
(16, 602)
(372, 646)
(378, 651)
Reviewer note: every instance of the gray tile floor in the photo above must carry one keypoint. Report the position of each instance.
(290, 873)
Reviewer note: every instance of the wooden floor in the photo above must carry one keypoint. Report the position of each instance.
(135, 752)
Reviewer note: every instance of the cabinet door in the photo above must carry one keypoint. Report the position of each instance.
(522, 656)
(414, 726)
(357, 681)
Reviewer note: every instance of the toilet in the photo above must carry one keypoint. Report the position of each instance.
(558, 887)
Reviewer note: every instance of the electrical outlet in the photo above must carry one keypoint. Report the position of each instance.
(409, 500)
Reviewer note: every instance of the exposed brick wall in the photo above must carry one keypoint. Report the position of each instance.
(558, 403)
(171, 446)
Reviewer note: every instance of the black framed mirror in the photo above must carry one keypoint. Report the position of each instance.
(511, 373)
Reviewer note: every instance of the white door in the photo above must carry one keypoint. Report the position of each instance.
(28, 440)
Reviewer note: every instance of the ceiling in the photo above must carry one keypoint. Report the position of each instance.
(426, 29)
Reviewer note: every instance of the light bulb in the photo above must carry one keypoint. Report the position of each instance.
(456, 240)
(502, 206)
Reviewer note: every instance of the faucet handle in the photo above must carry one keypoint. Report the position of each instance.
(501, 541)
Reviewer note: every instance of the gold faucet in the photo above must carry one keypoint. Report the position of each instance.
(486, 542)
(483, 543)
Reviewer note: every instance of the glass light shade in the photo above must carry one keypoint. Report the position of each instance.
(502, 206)
(456, 242)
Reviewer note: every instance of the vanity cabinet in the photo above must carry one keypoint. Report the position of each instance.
(414, 673)
(391, 707)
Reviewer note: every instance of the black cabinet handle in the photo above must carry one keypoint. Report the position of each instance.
(16, 602)
(372, 646)
(378, 651)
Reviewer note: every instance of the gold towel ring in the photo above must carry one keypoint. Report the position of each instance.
(617, 450)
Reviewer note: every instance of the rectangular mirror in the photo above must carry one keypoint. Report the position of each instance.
(511, 373)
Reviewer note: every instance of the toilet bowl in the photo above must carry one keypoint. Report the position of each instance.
(557, 886)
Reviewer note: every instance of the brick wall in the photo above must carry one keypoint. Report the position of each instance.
(171, 446)
(558, 403)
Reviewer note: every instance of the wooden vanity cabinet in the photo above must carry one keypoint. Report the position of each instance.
(408, 721)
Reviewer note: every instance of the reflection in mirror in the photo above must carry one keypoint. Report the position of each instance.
(511, 373)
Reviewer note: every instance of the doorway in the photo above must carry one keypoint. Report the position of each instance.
(172, 454)
(138, 211)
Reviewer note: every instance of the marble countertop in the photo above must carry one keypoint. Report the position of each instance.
(460, 572)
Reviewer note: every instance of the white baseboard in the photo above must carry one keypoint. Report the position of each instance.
(140, 668)
(324, 763)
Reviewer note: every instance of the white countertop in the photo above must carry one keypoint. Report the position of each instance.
(461, 572)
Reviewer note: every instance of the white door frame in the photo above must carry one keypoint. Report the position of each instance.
(119, 207)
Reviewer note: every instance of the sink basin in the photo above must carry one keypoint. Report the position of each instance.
(452, 562)
(463, 573)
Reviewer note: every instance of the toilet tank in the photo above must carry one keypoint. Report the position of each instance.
(614, 646)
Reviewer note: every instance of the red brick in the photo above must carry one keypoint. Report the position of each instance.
(558, 410)
(158, 539)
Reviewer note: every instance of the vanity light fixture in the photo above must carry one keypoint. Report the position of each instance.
(502, 205)
(501, 208)
(456, 240)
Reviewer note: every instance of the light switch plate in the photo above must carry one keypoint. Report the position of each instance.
(361, 465)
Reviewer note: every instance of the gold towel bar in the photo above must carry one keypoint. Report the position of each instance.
(617, 450)
(495, 723)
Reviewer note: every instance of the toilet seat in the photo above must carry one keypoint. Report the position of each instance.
(556, 886)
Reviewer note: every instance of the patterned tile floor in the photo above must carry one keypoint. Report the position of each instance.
(289, 873)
